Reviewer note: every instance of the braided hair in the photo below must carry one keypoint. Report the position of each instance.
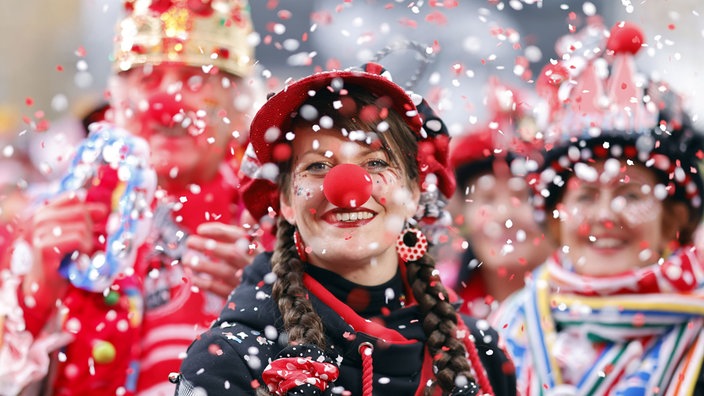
(440, 326)
(302, 324)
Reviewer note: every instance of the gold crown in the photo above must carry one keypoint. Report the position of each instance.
(193, 32)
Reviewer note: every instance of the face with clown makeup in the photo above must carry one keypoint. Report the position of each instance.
(357, 243)
(613, 218)
(188, 116)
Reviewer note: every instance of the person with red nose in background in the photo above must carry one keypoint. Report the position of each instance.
(133, 257)
(499, 241)
(618, 308)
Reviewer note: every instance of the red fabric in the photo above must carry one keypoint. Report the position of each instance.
(90, 318)
(217, 201)
(34, 317)
(7, 235)
(350, 316)
(105, 186)
(197, 7)
(276, 112)
(481, 375)
(285, 374)
(434, 158)
(428, 373)
(473, 147)
(168, 330)
(475, 290)
(260, 195)
(367, 369)
(678, 274)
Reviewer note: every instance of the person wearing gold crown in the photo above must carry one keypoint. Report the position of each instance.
(116, 274)
(618, 309)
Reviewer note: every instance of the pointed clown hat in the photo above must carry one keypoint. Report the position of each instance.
(202, 33)
(597, 106)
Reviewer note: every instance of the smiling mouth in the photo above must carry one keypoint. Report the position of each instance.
(607, 243)
(349, 217)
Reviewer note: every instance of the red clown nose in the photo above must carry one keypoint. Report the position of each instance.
(347, 186)
(162, 109)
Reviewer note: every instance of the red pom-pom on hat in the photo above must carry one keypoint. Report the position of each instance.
(625, 38)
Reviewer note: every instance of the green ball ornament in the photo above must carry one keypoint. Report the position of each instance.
(112, 298)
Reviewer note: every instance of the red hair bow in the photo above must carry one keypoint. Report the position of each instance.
(284, 374)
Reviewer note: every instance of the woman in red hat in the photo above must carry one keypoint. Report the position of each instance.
(618, 308)
(348, 302)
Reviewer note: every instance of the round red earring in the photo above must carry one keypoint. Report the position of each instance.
(411, 244)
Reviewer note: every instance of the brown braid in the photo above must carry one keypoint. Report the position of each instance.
(301, 322)
(439, 323)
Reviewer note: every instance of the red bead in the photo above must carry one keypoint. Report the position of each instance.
(203, 8)
(281, 152)
(138, 49)
(222, 53)
(160, 6)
